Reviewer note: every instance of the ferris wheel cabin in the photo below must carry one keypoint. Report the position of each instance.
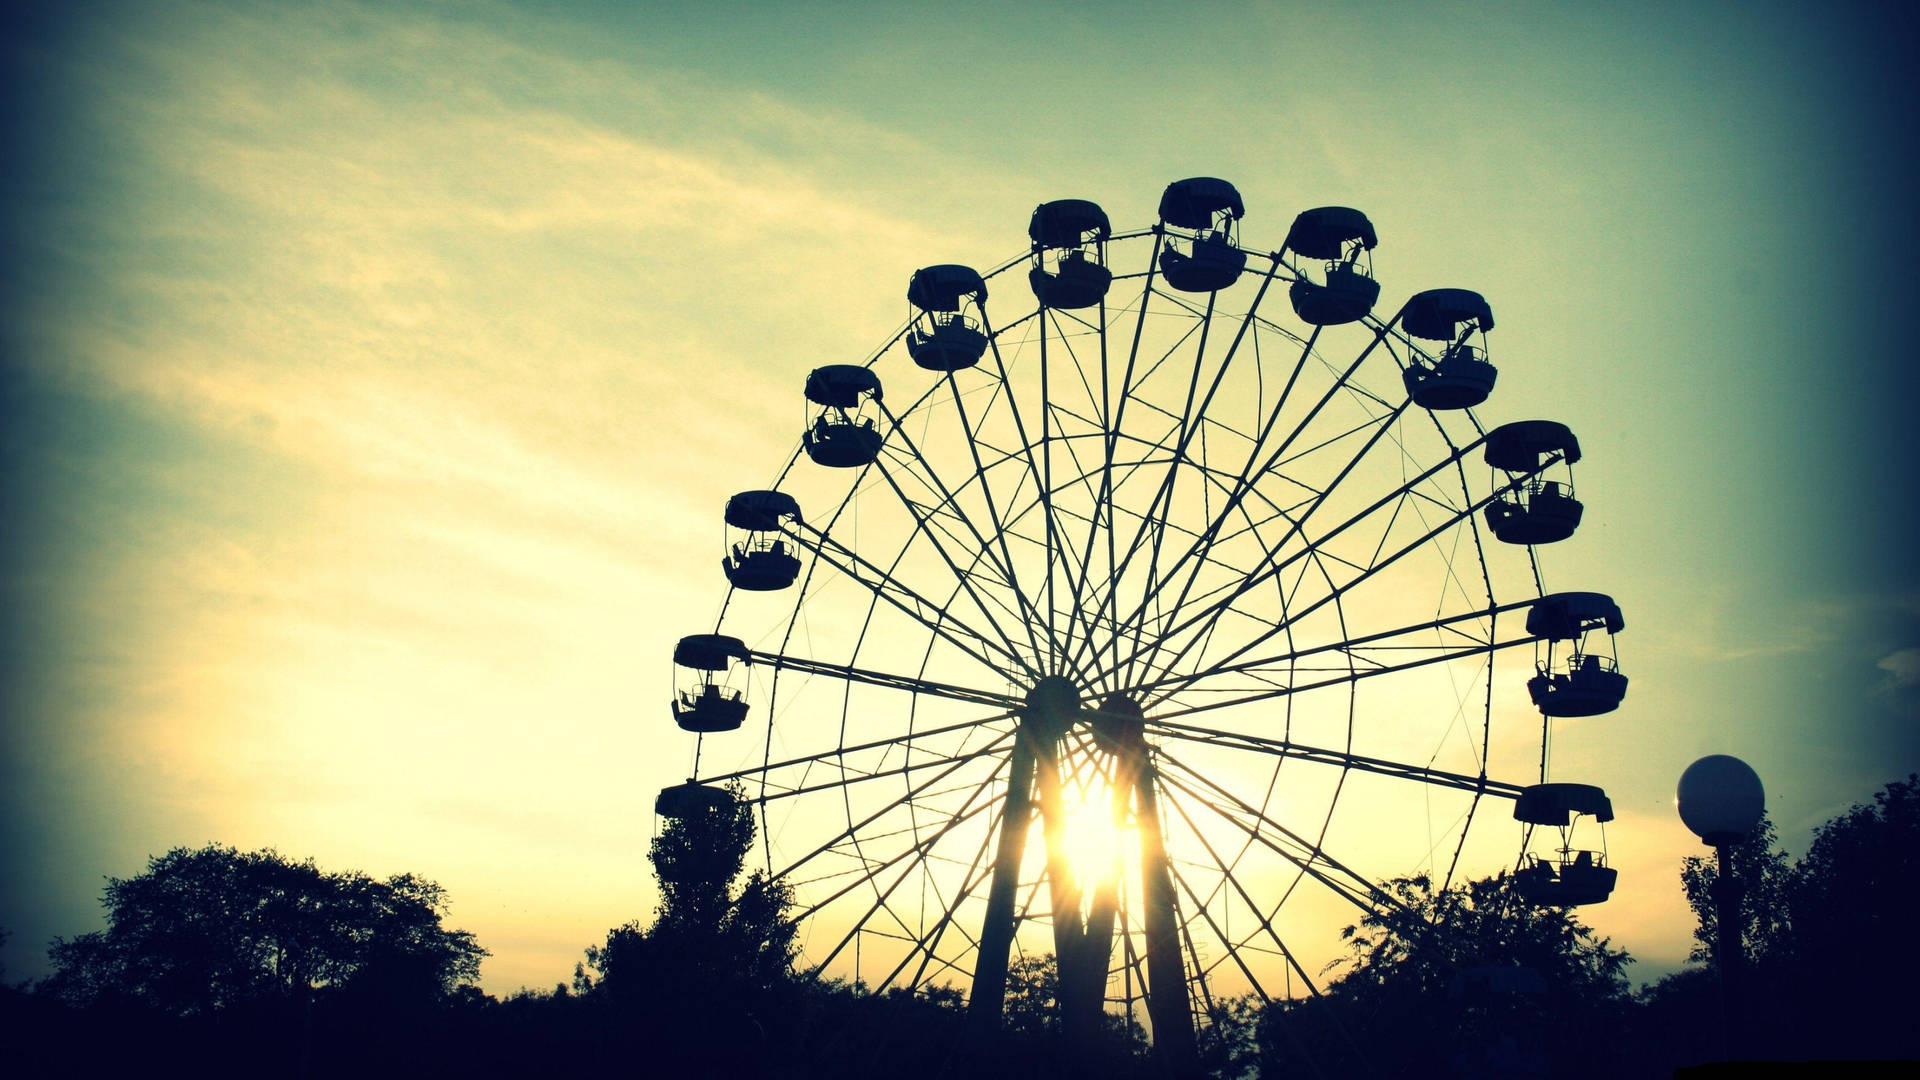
(709, 683)
(1210, 208)
(759, 558)
(943, 335)
(1537, 509)
(1576, 678)
(843, 435)
(1341, 237)
(692, 800)
(1566, 875)
(1069, 253)
(1460, 377)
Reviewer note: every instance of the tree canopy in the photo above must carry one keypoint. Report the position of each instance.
(1827, 940)
(708, 933)
(208, 929)
(1474, 975)
(1763, 872)
(219, 950)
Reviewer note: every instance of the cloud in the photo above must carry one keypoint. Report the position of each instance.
(422, 358)
(1902, 668)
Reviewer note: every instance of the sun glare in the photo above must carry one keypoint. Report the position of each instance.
(1094, 841)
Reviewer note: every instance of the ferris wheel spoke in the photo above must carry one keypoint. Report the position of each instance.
(1265, 920)
(1307, 856)
(1261, 916)
(1101, 508)
(1081, 477)
(923, 526)
(1046, 483)
(1201, 970)
(1287, 748)
(1346, 677)
(1250, 474)
(1128, 386)
(1192, 424)
(1152, 519)
(910, 856)
(906, 739)
(1335, 592)
(1083, 613)
(1101, 598)
(1230, 574)
(850, 776)
(1276, 566)
(853, 828)
(1034, 468)
(973, 440)
(1104, 506)
(995, 587)
(949, 501)
(916, 607)
(928, 945)
(1383, 425)
(1188, 426)
(807, 666)
(967, 811)
(1174, 683)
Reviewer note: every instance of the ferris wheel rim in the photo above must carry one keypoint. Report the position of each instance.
(998, 532)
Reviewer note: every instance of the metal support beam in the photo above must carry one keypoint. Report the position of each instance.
(988, 998)
(1062, 890)
(1167, 1003)
(1097, 941)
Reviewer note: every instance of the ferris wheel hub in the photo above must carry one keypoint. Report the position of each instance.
(1118, 724)
(1052, 705)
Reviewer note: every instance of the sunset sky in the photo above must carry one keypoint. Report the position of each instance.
(374, 376)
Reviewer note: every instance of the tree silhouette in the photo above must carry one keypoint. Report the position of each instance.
(706, 934)
(1474, 978)
(1851, 898)
(1033, 994)
(1850, 902)
(1827, 939)
(209, 929)
(708, 984)
(1763, 872)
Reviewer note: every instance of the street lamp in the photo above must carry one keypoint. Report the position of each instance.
(1721, 800)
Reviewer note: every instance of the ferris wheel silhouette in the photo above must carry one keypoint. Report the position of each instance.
(1135, 626)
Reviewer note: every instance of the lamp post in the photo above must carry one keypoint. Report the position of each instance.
(1721, 800)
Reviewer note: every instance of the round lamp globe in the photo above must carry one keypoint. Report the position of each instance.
(1720, 799)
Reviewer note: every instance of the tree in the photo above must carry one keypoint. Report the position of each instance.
(708, 985)
(1473, 977)
(1850, 902)
(1762, 870)
(1827, 940)
(1438, 935)
(206, 930)
(706, 933)
(1033, 995)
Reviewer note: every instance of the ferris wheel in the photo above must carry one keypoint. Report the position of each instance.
(1149, 625)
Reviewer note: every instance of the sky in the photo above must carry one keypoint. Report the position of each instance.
(373, 376)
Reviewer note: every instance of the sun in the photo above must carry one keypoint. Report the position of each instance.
(1098, 841)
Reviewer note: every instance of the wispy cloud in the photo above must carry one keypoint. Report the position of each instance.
(451, 346)
(1902, 668)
